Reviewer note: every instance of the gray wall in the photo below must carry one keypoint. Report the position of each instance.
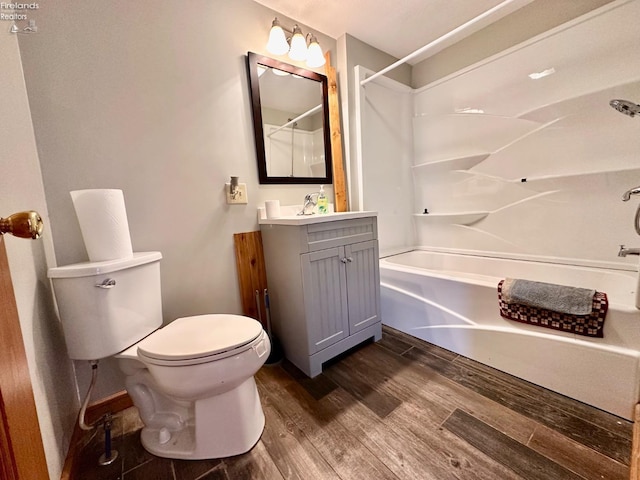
(21, 189)
(152, 98)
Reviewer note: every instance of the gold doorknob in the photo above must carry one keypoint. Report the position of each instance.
(23, 225)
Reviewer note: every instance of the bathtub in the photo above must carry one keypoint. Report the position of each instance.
(450, 300)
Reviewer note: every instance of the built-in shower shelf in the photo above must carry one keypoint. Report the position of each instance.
(443, 136)
(458, 218)
(448, 164)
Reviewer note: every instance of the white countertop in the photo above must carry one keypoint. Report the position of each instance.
(313, 218)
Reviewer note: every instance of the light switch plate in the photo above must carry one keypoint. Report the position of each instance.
(240, 197)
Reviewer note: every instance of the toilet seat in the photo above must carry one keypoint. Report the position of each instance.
(200, 339)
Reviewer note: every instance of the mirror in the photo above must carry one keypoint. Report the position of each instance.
(291, 122)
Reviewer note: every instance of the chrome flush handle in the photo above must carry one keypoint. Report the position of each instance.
(107, 283)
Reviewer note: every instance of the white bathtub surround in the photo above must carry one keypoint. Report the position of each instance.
(527, 176)
(547, 159)
(296, 152)
(451, 300)
(382, 179)
(508, 164)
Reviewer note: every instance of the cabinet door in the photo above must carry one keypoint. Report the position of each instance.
(363, 284)
(325, 297)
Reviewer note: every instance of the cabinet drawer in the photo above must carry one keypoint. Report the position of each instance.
(335, 234)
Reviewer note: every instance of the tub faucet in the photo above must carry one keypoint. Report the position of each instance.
(626, 196)
(628, 251)
(310, 201)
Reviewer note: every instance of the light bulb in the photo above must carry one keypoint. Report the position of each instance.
(298, 49)
(315, 56)
(277, 43)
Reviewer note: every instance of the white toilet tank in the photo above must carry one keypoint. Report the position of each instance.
(107, 306)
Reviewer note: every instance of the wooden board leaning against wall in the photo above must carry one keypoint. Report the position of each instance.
(339, 183)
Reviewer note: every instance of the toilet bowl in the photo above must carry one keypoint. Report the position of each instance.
(192, 380)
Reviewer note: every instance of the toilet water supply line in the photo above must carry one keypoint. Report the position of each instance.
(109, 455)
(94, 376)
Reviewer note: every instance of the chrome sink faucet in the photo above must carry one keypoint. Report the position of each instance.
(628, 251)
(310, 201)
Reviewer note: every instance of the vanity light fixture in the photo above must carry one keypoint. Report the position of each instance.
(299, 47)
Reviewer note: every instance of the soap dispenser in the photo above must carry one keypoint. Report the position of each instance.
(323, 202)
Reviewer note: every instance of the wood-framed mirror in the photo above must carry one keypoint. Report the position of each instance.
(290, 121)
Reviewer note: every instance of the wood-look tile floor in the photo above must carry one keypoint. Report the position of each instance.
(398, 409)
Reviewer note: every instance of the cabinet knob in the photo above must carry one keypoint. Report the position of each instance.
(349, 259)
(344, 260)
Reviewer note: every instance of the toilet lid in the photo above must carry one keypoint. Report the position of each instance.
(200, 336)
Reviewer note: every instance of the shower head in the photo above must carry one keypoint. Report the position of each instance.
(626, 107)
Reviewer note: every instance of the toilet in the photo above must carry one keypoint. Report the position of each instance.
(191, 380)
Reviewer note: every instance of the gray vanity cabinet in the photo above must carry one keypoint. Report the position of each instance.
(324, 286)
(326, 309)
(363, 284)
